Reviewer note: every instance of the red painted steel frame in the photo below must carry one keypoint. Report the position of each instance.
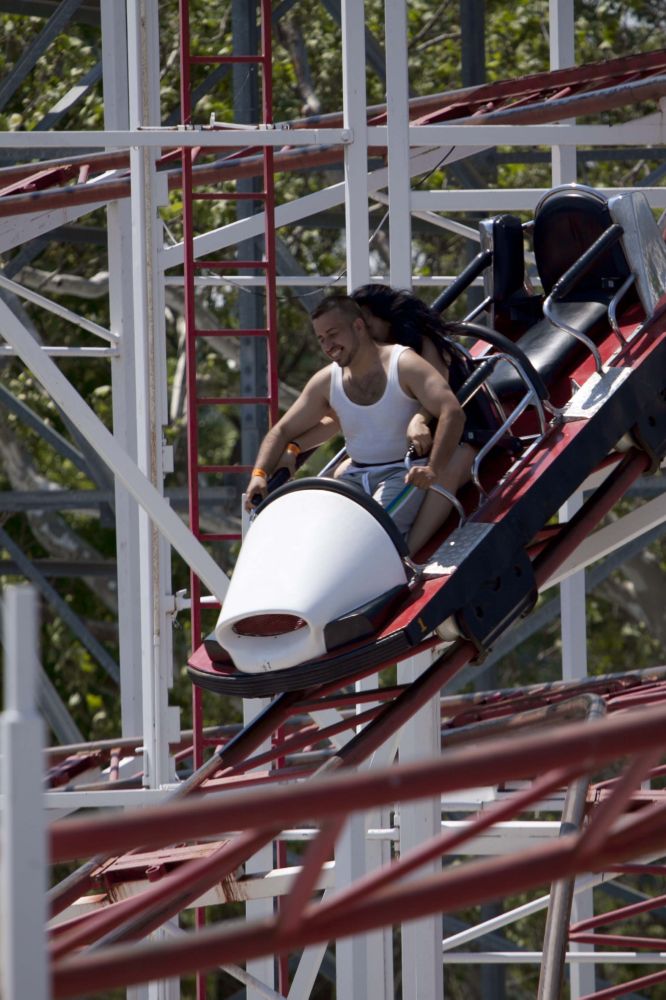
(518, 757)
(266, 266)
(576, 748)
(610, 836)
(595, 88)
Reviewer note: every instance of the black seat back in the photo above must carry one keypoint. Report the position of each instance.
(503, 234)
(512, 308)
(567, 221)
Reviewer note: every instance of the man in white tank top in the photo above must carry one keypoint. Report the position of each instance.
(373, 390)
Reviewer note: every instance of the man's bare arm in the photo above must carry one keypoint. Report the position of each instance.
(420, 380)
(310, 407)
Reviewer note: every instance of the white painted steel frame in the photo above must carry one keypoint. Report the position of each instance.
(120, 452)
(23, 849)
(354, 103)
(612, 537)
(574, 667)
(562, 56)
(397, 106)
(150, 408)
(123, 390)
(111, 452)
(353, 967)
(647, 132)
(420, 739)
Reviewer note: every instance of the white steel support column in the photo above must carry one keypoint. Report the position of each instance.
(364, 962)
(150, 357)
(562, 55)
(397, 100)
(160, 721)
(574, 667)
(262, 969)
(23, 951)
(379, 943)
(352, 966)
(422, 967)
(356, 153)
(116, 116)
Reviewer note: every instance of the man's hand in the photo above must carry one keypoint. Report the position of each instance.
(257, 487)
(422, 476)
(418, 434)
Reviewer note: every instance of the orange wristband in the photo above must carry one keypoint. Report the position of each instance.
(293, 448)
(259, 472)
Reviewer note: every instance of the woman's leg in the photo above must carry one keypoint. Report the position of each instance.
(435, 508)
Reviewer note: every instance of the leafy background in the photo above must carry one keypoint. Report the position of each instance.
(626, 627)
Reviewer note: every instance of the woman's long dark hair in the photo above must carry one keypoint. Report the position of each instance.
(410, 318)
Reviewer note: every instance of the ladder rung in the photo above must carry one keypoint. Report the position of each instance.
(231, 333)
(230, 400)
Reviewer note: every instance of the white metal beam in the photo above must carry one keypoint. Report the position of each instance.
(646, 132)
(562, 55)
(397, 106)
(422, 973)
(121, 311)
(294, 211)
(23, 950)
(94, 431)
(611, 537)
(574, 668)
(509, 199)
(150, 404)
(356, 153)
(173, 137)
(19, 229)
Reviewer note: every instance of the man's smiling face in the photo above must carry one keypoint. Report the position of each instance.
(338, 336)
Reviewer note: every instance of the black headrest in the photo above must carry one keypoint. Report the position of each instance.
(508, 257)
(566, 224)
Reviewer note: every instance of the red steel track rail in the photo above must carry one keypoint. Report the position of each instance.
(541, 98)
(547, 759)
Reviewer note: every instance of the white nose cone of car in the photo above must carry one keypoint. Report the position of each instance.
(309, 557)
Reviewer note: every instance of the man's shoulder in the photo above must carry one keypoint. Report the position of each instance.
(321, 378)
(324, 373)
(408, 358)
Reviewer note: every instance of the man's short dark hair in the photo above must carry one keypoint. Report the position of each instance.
(344, 303)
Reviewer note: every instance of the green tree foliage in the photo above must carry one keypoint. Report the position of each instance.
(307, 79)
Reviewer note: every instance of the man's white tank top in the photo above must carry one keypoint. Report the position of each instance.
(375, 434)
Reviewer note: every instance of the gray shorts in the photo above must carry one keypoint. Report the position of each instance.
(386, 484)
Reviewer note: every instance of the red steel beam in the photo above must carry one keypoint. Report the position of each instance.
(539, 112)
(450, 841)
(623, 988)
(622, 913)
(455, 888)
(578, 745)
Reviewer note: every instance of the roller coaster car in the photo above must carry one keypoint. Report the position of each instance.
(322, 589)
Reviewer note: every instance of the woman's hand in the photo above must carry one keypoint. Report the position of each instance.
(421, 476)
(419, 434)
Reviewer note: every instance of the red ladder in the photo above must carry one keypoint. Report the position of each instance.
(266, 267)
